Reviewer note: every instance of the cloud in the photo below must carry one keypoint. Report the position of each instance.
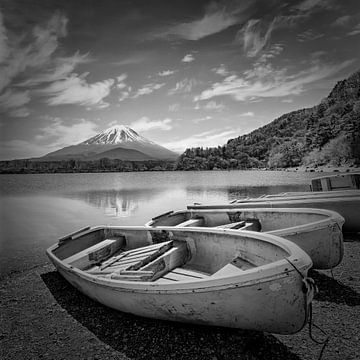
(205, 118)
(174, 107)
(309, 35)
(308, 5)
(255, 35)
(4, 50)
(183, 86)
(147, 89)
(57, 134)
(188, 58)
(20, 149)
(248, 114)
(221, 70)
(264, 81)
(34, 55)
(216, 19)
(210, 138)
(33, 63)
(12, 102)
(166, 72)
(50, 138)
(145, 124)
(289, 101)
(355, 31)
(211, 106)
(342, 20)
(76, 90)
(121, 78)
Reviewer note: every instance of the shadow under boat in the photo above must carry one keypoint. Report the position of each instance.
(332, 290)
(139, 337)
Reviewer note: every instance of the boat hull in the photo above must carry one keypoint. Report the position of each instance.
(316, 231)
(274, 297)
(348, 207)
(234, 305)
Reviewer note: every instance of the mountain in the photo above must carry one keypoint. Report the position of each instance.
(117, 142)
(326, 133)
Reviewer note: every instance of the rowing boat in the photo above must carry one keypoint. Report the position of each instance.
(346, 203)
(318, 232)
(215, 277)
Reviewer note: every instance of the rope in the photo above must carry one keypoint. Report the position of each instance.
(309, 311)
(323, 342)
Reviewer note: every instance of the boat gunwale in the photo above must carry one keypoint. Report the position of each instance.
(278, 201)
(280, 268)
(332, 218)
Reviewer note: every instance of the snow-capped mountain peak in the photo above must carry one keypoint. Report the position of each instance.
(117, 134)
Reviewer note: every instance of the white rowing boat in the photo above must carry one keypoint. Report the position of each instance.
(318, 232)
(346, 203)
(206, 276)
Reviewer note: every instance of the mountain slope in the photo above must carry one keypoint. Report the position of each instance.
(112, 143)
(328, 132)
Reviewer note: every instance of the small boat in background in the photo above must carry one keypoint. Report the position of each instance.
(318, 232)
(346, 203)
(211, 276)
(346, 181)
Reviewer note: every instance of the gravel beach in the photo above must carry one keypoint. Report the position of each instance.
(43, 317)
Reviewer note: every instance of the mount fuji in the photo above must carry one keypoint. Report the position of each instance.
(117, 142)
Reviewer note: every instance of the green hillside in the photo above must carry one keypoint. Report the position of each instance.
(324, 134)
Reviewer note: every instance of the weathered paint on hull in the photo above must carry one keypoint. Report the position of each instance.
(275, 306)
(272, 297)
(318, 232)
(347, 207)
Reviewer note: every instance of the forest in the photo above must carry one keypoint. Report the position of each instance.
(324, 134)
(81, 166)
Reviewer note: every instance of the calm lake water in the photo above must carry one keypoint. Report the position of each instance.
(35, 210)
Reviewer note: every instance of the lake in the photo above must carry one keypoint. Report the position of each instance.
(37, 209)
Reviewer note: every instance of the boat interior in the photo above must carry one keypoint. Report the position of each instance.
(164, 256)
(252, 220)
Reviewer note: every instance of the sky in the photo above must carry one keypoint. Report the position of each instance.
(181, 73)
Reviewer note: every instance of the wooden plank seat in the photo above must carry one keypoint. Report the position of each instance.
(95, 254)
(253, 225)
(181, 274)
(191, 222)
(235, 267)
(146, 263)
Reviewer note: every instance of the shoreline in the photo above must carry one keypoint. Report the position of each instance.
(44, 317)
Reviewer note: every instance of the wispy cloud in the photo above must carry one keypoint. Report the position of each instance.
(57, 134)
(145, 124)
(166, 72)
(255, 35)
(355, 31)
(217, 18)
(309, 35)
(210, 138)
(221, 70)
(188, 58)
(147, 89)
(76, 90)
(264, 81)
(342, 20)
(174, 107)
(34, 58)
(34, 55)
(248, 114)
(183, 86)
(210, 106)
(205, 118)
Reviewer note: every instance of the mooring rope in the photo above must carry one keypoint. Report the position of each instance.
(310, 284)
